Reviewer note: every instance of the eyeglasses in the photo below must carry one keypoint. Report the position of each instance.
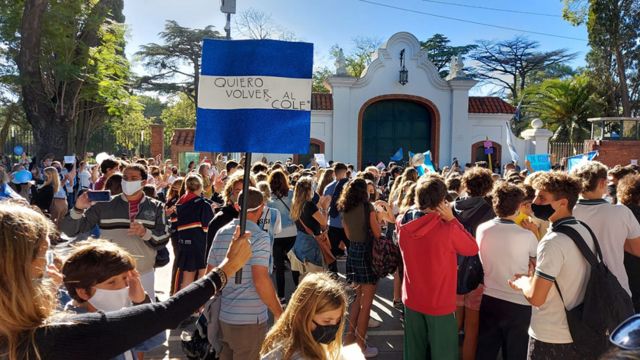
(627, 334)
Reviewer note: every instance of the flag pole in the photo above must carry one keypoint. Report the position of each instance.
(247, 155)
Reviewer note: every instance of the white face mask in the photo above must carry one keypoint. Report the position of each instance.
(110, 300)
(131, 187)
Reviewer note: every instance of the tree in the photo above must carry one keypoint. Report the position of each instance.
(319, 77)
(180, 113)
(153, 108)
(565, 104)
(256, 24)
(175, 65)
(509, 63)
(131, 131)
(72, 69)
(614, 37)
(361, 55)
(440, 52)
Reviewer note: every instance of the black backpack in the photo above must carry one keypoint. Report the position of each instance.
(470, 271)
(606, 304)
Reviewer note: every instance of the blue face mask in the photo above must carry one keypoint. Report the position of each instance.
(325, 334)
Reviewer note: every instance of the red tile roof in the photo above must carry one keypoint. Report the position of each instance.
(489, 105)
(477, 104)
(321, 101)
(183, 137)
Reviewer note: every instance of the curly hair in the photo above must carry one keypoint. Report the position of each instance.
(561, 186)
(354, 194)
(618, 172)
(629, 190)
(590, 174)
(477, 181)
(507, 199)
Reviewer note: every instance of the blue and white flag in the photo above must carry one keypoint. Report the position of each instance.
(397, 156)
(577, 160)
(254, 96)
(512, 149)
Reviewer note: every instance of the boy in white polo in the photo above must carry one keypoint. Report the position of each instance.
(615, 226)
(505, 249)
(558, 262)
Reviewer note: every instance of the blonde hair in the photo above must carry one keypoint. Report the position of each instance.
(193, 182)
(301, 194)
(25, 303)
(326, 178)
(407, 196)
(265, 189)
(203, 170)
(317, 293)
(234, 179)
(53, 178)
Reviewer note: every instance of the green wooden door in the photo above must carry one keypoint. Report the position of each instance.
(390, 124)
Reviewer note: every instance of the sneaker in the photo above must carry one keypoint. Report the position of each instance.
(373, 323)
(370, 351)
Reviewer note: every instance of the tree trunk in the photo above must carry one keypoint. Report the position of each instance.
(622, 77)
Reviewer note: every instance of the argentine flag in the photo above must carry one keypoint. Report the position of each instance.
(254, 96)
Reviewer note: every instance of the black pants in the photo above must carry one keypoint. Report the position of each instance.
(539, 350)
(336, 235)
(503, 324)
(281, 246)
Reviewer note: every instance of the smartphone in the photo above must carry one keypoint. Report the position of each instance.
(99, 195)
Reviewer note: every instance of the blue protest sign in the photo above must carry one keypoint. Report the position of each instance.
(254, 96)
(539, 162)
(18, 150)
(579, 159)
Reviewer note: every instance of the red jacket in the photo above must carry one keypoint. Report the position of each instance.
(429, 246)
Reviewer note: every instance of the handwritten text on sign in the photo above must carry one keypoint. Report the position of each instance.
(254, 92)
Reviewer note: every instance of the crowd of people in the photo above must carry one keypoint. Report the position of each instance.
(491, 264)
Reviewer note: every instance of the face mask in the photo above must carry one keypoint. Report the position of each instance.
(612, 190)
(325, 334)
(131, 187)
(542, 212)
(110, 300)
(372, 197)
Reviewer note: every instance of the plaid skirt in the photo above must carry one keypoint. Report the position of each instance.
(359, 268)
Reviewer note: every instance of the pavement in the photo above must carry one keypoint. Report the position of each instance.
(387, 338)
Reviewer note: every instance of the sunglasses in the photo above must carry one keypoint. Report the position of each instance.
(627, 334)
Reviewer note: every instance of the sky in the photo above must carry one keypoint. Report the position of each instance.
(329, 22)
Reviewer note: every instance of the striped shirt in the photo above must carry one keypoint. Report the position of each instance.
(241, 304)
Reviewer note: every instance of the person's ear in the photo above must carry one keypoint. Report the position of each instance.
(85, 294)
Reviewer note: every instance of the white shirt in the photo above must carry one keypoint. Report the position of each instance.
(84, 179)
(559, 260)
(505, 249)
(612, 225)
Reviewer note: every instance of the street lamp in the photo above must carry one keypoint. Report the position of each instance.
(228, 7)
(404, 73)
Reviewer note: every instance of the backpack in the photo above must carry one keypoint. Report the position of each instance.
(385, 254)
(606, 304)
(470, 272)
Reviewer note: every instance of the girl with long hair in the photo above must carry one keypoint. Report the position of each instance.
(281, 197)
(327, 177)
(362, 229)
(193, 214)
(311, 326)
(44, 192)
(207, 184)
(312, 246)
(29, 325)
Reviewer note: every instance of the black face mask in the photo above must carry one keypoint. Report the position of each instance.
(372, 197)
(612, 190)
(542, 212)
(325, 334)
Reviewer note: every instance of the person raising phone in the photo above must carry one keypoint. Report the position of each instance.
(131, 220)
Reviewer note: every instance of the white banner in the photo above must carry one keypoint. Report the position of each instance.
(254, 92)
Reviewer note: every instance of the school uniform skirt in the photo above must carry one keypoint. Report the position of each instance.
(191, 255)
(359, 269)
